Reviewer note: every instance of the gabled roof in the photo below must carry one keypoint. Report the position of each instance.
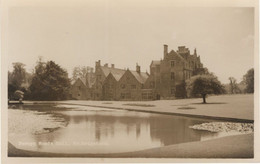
(141, 77)
(173, 52)
(155, 62)
(117, 73)
(83, 80)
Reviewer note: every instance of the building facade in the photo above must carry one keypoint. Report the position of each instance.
(165, 81)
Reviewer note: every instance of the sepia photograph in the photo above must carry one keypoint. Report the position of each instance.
(129, 80)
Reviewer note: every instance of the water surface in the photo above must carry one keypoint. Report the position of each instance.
(78, 129)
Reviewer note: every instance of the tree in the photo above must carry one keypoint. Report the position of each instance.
(201, 71)
(234, 89)
(248, 79)
(16, 78)
(80, 72)
(204, 85)
(49, 82)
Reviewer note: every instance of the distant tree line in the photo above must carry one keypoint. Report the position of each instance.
(245, 86)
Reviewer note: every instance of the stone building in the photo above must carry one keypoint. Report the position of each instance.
(165, 81)
(131, 84)
(79, 90)
(167, 76)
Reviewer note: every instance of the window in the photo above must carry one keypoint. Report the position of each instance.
(172, 76)
(79, 94)
(133, 86)
(122, 96)
(172, 63)
(79, 87)
(123, 86)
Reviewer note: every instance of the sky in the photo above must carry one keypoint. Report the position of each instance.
(78, 33)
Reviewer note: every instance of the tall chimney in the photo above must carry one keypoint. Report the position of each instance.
(165, 51)
(98, 63)
(112, 65)
(106, 65)
(138, 68)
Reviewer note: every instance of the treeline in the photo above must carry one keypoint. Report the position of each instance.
(245, 86)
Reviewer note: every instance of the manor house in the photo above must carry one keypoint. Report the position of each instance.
(165, 80)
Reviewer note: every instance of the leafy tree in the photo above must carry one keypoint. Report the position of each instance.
(16, 78)
(201, 71)
(181, 90)
(234, 89)
(248, 79)
(204, 85)
(50, 82)
(80, 72)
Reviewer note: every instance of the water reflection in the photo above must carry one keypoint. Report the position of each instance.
(101, 131)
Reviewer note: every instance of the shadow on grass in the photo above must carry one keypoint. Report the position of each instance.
(186, 108)
(209, 103)
(107, 103)
(141, 105)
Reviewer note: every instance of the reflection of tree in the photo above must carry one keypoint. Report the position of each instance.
(105, 127)
(138, 130)
(173, 130)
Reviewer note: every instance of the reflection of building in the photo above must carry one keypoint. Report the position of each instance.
(165, 80)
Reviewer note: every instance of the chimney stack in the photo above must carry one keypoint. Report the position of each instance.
(138, 68)
(106, 65)
(98, 63)
(165, 51)
(112, 65)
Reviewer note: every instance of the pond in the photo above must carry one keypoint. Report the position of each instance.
(79, 129)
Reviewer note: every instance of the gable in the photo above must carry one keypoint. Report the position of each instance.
(110, 77)
(175, 55)
(79, 82)
(117, 73)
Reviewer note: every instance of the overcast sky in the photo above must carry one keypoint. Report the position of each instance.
(127, 32)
